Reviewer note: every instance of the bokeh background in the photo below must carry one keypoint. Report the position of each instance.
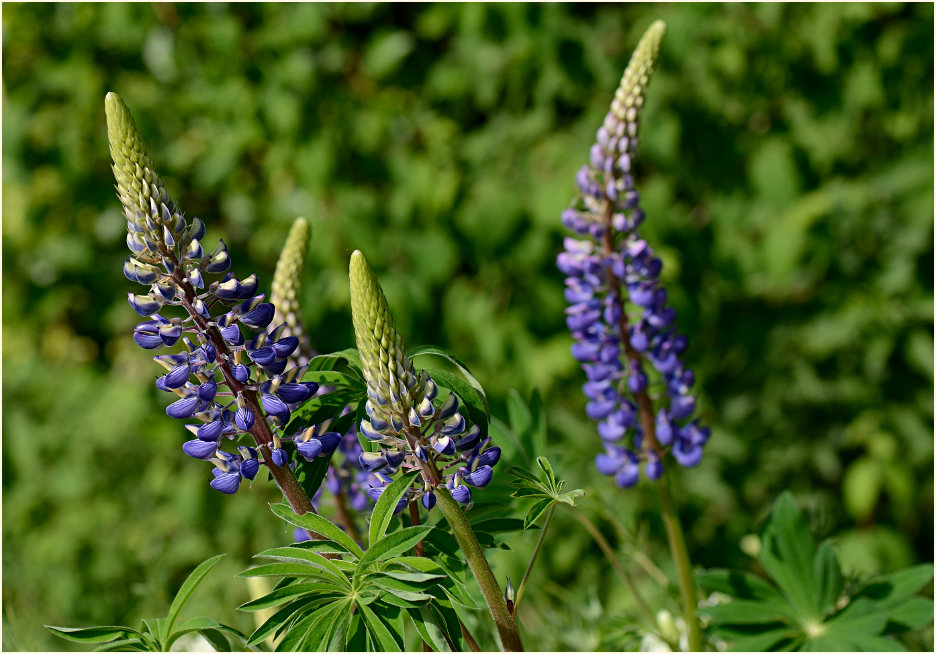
(786, 168)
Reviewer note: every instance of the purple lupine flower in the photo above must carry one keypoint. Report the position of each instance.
(618, 312)
(232, 384)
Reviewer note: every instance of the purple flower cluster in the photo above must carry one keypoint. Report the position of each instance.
(618, 311)
(227, 382)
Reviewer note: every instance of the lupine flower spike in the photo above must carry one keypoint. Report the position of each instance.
(224, 384)
(287, 281)
(618, 311)
(415, 428)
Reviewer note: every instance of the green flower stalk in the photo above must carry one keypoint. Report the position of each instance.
(287, 281)
(416, 433)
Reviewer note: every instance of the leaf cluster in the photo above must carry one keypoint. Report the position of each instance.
(334, 595)
(805, 606)
(546, 490)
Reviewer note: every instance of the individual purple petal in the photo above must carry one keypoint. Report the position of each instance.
(244, 418)
(309, 449)
(461, 494)
(177, 377)
(489, 457)
(232, 334)
(469, 440)
(480, 477)
(259, 317)
(240, 372)
(183, 408)
(372, 461)
(330, 441)
(145, 305)
(207, 390)
(687, 454)
(275, 406)
(226, 482)
(249, 468)
(210, 431)
(286, 346)
(627, 476)
(444, 445)
(428, 500)
(681, 407)
(296, 393)
(280, 457)
(199, 449)
(607, 464)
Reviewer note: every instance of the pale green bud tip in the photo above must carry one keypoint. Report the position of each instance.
(633, 85)
(383, 355)
(287, 282)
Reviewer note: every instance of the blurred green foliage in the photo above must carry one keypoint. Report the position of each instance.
(787, 173)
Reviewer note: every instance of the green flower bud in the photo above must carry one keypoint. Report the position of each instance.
(629, 97)
(287, 282)
(392, 383)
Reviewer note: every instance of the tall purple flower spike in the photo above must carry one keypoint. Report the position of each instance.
(618, 312)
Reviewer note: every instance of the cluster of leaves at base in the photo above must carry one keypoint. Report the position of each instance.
(159, 634)
(806, 608)
(355, 599)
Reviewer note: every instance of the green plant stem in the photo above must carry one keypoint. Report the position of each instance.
(472, 643)
(506, 627)
(539, 544)
(677, 542)
(612, 558)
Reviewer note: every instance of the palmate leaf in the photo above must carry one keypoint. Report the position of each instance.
(787, 553)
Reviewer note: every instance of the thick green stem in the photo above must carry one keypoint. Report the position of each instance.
(612, 557)
(539, 544)
(506, 628)
(677, 543)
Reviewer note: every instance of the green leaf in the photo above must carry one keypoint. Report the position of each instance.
(427, 624)
(828, 576)
(396, 543)
(741, 611)
(282, 617)
(318, 524)
(332, 378)
(543, 463)
(386, 503)
(92, 634)
(912, 613)
(125, 644)
(845, 630)
(498, 525)
(763, 641)
(536, 511)
(158, 628)
(217, 640)
(330, 360)
(188, 587)
(311, 474)
(307, 628)
(321, 571)
(891, 589)
(356, 635)
(523, 475)
(378, 630)
(415, 577)
(738, 584)
(323, 407)
(278, 596)
(788, 553)
(474, 402)
(401, 589)
(195, 624)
